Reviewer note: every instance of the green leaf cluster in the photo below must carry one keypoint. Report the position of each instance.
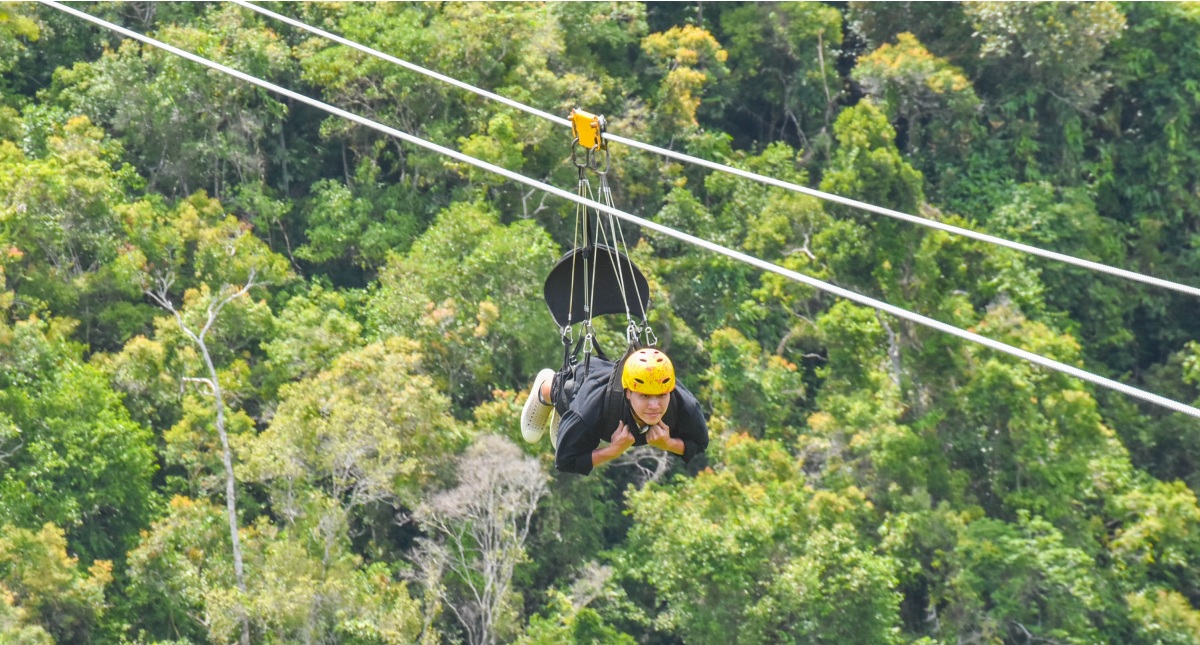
(224, 315)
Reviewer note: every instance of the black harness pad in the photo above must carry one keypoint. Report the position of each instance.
(567, 285)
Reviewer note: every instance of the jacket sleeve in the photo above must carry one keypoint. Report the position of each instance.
(579, 431)
(693, 429)
(575, 445)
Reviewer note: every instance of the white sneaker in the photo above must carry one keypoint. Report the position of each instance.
(535, 415)
(554, 419)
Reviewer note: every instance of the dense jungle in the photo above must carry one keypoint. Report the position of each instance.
(262, 368)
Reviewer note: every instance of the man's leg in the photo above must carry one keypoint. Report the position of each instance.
(535, 416)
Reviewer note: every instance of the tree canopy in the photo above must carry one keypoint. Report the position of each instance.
(262, 369)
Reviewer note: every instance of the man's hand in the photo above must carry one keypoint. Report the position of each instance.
(622, 438)
(659, 436)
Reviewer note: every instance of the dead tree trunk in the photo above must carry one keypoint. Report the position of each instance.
(160, 294)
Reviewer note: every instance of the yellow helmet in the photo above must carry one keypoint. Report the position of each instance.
(648, 371)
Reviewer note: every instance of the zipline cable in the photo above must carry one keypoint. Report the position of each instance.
(403, 63)
(665, 230)
(769, 181)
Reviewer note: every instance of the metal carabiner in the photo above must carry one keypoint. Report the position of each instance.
(631, 332)
(651, 338)
(574, 157)
(607, 163)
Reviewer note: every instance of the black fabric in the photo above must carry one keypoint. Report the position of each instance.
(602, 261)
(562, 388)
(614, 398)
(567, 382)
(583, 425)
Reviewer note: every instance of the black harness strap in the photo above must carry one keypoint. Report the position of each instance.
(572, 373)
(614, 398)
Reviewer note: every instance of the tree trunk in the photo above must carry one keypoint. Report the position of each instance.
(230, 482)
(161, 295)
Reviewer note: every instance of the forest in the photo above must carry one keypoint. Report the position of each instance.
(262, 368)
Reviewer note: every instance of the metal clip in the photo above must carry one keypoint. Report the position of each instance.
(607, 162)
(587, 159)
(651, 338)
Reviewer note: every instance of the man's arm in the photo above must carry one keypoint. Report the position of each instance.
(575, 445)
(577, 451)
(692, 430)
(622, 439)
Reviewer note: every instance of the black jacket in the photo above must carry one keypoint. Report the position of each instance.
(582, 427)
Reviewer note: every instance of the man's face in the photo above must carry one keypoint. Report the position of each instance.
(649, 409)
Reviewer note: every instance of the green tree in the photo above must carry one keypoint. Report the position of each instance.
(687, 60)
(930, 101)
(183, 582)
(1165, 617)
(371, 429)
(603, 35)
(783, 60)
(15, 627)
(469, 292)
(313, 328)
(1066, 220)
(62, 230)
(1057, 46)
(1020, 582)
(711, 291)
(1153, 532)
(72, 455)
(1042, 77)
(503, 47)
(867, 166)
(572, 625)
(345, 223)
(43, 588)
(751, 392)
(1145, 167)
(18, 26)
(219, 252)
(187, 128)
(857, 435)
(752, 553)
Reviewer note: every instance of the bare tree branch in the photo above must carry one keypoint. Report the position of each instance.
(478, 532)
(190, 379)
(893, 348)
(10, 452)
(651, 463)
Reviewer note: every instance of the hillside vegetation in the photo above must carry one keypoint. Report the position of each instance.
(261, 368)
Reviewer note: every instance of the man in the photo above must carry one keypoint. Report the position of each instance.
(655, 410)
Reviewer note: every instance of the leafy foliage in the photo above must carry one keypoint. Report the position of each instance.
(316, 341)
(73, 456)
